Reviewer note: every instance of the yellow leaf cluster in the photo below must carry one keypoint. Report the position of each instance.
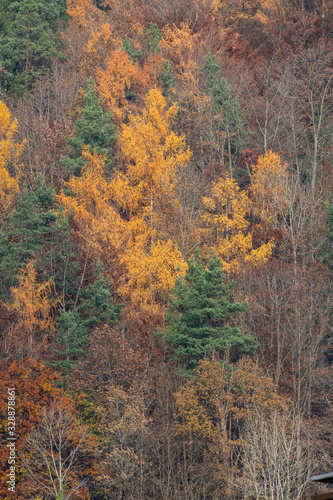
(10, 151)
(227, 229)
(154, 153)
(114, 79)
(99, 224)
(178, 42)
(152, 268)
(269, 187)
(31, 301)
(83, 14)
(149, 267)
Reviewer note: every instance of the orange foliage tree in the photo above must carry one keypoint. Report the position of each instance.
(10, 151)
(227, 228)
(102, 231)
(270, 188)
(33, 308)
(35, 389)
(147, 191)
(211, 409)
(154, 153)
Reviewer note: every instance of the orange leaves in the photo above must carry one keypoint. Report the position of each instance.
(216, 396)
(227, 226)
(9, 154)
(152, 268)
(9, 149)
(98, 223)
(31, 301)
(153, 152)
(83, 14)
(270, 188)
(114, 79)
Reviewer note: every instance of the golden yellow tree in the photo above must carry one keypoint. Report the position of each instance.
(114, 79)
(98, 224)
(10, 151)
(270, 188)
(154, 153)
(144, 270)
(227, 229)
(32, 305)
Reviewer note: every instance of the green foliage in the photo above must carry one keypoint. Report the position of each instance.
(200, 314)
(37, 229)
(167, 79)
(29, 41)
(93, 130)
(74, 326)
(228, 117)
(151, 38)
(129, 48)
(96, 303)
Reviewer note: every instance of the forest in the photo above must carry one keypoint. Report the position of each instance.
(166, 249)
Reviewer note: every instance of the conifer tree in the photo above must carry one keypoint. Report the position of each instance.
(228, 122)
(199, 318)
(29, 41)
(94, 308)
(93, 130)
(36, 230)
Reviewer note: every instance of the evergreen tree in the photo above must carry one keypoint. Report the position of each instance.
(93, 130)
(75, 325)
(200, 314)
(36, 229)
(228, 119)
(29, 40)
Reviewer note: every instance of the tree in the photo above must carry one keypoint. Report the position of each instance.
(227, 228)
(92, 130)
(35, 229)
(227, 122)
(154, 154)
(58, 455)
(94, 307)
(36, 388)
(200, 315)
(213, 407)
(32, 304)
(270, 188)
(29, 42)
(10, 151)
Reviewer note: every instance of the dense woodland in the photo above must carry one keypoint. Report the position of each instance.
(166, 230)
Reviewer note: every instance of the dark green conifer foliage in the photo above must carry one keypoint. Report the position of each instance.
(129, 48)
(35, 230)
(199, 318)
(167, 79)
(75, 325)
(93, 129)
(151, 38)
(229, 119)
(29, 41)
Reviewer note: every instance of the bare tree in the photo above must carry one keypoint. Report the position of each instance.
(276, 466)
(56, 455)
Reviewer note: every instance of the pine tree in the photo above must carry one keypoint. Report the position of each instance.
(37, 230)
(94, 308)
(199, 318)
(93, 130)
(228, 122)
(29, 41)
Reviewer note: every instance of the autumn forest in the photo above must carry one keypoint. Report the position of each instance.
(166, 232)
